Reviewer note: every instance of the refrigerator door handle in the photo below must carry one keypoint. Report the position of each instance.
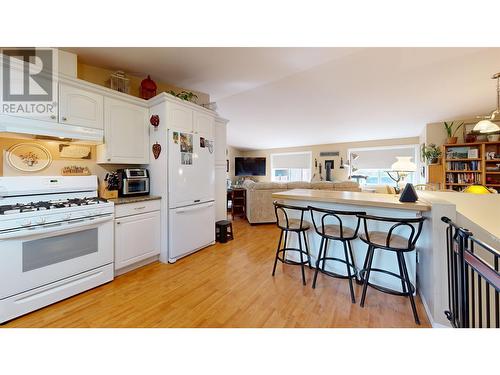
(194, 208)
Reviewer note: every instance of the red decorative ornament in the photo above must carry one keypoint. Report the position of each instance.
(155, 120)
(156, 150)
(148, 88)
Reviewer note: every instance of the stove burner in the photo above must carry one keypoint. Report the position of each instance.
(49, 205)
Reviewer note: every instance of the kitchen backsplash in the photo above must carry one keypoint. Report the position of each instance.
(58, 161)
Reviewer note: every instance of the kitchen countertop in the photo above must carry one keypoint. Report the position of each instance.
(139, 198)
(355, 198)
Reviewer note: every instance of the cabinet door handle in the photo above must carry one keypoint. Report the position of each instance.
(53, 117)
(118, 222)
(65, 119)
(140, 208)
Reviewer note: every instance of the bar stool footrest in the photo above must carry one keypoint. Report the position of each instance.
(334, 274)
(293, 262)
(362, 274)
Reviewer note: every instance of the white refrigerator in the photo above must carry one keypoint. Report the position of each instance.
(191, 192)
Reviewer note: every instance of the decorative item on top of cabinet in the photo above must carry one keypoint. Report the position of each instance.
(155, 121)
(148, 88)
(120, 82)
(185, 95)
(156, 150)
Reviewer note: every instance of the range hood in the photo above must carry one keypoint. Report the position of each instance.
(22, 125)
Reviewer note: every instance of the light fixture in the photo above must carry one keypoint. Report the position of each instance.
(486, 125)
(402, 168)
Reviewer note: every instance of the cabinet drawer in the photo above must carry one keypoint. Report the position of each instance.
(128, 209)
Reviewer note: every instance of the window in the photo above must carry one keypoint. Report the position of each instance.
(374, 162)
(293, 166)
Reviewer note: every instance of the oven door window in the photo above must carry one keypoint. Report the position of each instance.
(46, 251)
(138, 186)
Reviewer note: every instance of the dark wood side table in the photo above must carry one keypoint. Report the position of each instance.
(238, 202)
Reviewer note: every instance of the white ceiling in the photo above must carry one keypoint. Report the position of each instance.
(283, 97)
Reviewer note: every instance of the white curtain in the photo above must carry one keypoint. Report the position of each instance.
(293, 160)
(381, 158)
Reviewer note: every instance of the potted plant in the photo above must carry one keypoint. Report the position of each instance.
(431, 153)
(452, 139)
(185, 95)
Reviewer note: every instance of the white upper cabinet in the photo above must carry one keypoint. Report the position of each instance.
(204, 125)
(180, 117)
(80, 107)
(126, 133)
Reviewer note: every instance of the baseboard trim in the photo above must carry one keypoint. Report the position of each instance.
(429, 315)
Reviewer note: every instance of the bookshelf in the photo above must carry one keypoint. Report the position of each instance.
(465, 164)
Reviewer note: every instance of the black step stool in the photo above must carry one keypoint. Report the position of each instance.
(223, 231)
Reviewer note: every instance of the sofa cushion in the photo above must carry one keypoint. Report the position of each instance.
(268, 186)
(322, 185)
(299, 185)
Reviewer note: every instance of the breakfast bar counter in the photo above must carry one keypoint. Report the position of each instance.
(477, 213)
(352, 198)
(383, 205)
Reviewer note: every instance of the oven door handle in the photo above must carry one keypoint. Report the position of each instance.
(51, 228)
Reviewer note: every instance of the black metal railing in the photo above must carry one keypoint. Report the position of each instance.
(473, 280)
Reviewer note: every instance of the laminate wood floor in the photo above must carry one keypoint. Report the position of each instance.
(225, 285)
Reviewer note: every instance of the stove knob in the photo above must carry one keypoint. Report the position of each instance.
(25, 223)
(41, 220)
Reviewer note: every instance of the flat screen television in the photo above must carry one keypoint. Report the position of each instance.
(249, 166)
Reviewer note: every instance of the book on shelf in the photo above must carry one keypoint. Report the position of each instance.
(463, 178)
(474, 165)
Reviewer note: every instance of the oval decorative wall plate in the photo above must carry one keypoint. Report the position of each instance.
(28, 157)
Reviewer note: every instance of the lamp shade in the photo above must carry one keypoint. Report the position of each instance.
(404, 164)
(476, 189)
(486, 126)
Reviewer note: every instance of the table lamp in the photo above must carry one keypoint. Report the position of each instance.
(402, 168)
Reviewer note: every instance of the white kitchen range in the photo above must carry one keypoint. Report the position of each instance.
(56, 240)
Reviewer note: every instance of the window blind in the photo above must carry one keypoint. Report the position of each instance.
(296, 160)
(381, 158)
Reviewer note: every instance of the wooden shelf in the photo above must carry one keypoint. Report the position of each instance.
(464, 159)
(492, 172)
(456, 184)
(493, 185)
(492, 161)
(454, 171)
(450, 145)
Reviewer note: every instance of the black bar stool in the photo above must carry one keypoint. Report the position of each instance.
(299, 226)
(335, 232)
(390, 242)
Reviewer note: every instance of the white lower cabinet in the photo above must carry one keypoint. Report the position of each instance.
(137, 236)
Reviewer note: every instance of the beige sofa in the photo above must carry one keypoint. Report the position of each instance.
(259, 199)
